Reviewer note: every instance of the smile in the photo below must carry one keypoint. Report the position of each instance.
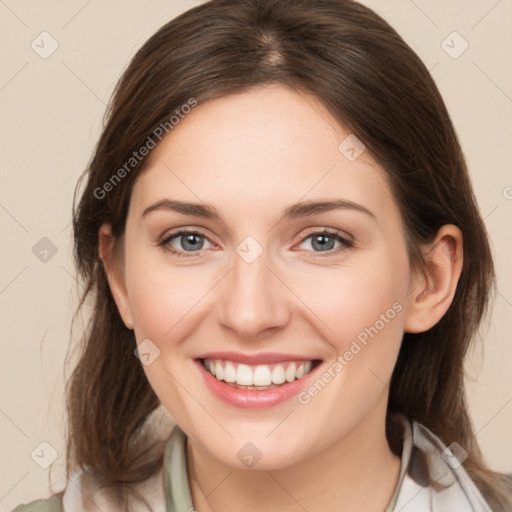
(258, 381)
(262, 376)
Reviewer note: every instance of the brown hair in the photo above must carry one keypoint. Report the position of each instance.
(377, 87)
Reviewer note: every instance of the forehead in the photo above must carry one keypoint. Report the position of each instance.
(267, 146)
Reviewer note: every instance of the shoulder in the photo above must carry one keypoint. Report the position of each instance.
(435, 476)
(85, 496)
(52, 504)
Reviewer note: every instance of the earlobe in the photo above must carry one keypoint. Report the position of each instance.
(433, 289)
(114, 273)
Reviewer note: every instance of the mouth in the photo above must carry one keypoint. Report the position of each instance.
(258, 377)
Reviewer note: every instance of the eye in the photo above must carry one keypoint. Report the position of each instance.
(189, 243)
(325, 240)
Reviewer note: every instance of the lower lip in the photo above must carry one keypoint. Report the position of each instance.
(252, 398)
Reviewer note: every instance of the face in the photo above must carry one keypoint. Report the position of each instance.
(264, 288)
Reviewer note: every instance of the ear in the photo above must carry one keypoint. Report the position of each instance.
(115, 273)
(433, 288)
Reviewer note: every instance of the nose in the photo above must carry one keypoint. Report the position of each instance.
(252, 299)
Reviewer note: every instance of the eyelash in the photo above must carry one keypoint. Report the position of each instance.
(166, 239)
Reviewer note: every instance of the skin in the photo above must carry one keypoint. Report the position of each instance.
(250, 156)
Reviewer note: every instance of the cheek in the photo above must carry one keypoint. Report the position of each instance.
(161, 296)
(367, 308)
(361, 314)
(360, 311)
(352, 300)
(344, 303)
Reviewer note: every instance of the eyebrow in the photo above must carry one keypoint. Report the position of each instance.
(294, 211)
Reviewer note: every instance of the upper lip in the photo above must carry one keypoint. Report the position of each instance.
(254, 359)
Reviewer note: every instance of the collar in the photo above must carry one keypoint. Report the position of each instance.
(431, 477)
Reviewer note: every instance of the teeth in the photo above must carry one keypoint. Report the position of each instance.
(260, 376)
(278, 376)
(219, 370)
(229, 372)
(244, 375)
(290, 372)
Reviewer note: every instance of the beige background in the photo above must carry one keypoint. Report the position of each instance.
(51, 117)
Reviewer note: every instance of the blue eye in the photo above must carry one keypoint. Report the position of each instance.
(192, 243)
(325, 240)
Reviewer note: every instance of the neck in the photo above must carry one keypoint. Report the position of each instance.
(357, 472)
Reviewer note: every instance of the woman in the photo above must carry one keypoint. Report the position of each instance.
(278, 218)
